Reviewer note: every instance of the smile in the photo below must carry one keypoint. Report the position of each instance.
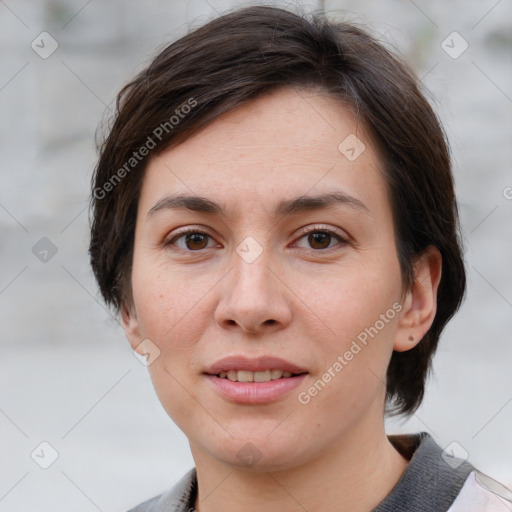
(248, 376)
(245, 380)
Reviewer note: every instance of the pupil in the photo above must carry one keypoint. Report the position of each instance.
(195, 238)
(319, 237)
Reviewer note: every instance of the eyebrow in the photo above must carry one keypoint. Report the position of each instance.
(284, 208)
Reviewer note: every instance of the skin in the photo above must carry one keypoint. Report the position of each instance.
(202, 302)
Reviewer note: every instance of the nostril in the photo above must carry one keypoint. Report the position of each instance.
(270, 322)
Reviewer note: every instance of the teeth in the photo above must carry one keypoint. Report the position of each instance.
(247, 376)
(276, 374)
(262, 376)
(244, 376)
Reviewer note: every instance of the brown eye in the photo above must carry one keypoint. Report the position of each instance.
(319, 240)
(195, 241)
(191, 240)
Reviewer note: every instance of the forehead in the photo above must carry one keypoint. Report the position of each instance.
(287, 142)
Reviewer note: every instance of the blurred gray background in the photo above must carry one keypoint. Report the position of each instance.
(67, 375)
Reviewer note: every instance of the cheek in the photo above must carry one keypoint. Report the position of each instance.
(360, 313)
(168, 301)
(359, 317)
(171, 313)
(350, 299)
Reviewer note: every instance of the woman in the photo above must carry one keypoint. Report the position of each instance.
(274, 219)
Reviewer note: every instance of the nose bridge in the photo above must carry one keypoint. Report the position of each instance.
(252, 277)
(253, 297)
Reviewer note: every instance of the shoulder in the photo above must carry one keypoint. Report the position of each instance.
(437, 480)
(179, 498)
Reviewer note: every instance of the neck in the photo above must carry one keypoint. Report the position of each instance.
(355, 475)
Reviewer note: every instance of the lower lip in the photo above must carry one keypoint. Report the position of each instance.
(255, 392)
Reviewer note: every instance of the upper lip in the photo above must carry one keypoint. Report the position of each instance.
(253, 365)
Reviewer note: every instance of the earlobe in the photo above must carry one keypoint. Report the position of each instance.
(420, 304)
(130, 325)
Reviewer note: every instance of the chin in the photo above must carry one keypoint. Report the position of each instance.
(259, 455)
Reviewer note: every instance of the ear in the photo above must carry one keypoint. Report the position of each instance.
(130, 325)
(420, 304)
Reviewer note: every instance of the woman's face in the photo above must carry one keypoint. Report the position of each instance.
(290, 265)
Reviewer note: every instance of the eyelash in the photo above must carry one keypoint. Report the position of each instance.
(303, 232)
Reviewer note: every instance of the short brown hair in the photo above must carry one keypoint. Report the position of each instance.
(240, 56)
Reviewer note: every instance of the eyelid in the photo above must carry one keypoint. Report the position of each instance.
(306, 230)
(323, 227)
(186, 230)
(342, 238)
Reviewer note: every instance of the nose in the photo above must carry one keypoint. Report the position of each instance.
(254, 299)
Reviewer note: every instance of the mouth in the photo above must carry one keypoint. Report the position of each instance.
(254, 381)
(260, 376)
(264, 367)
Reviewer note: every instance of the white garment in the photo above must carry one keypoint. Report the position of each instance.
(481, 493)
